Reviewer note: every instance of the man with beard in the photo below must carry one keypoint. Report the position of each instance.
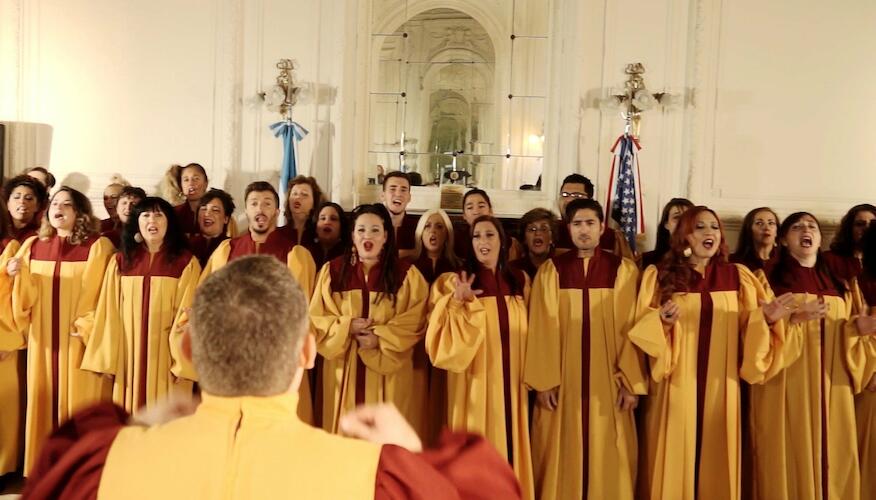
(262, 205)
(395, 197)
(578, 187)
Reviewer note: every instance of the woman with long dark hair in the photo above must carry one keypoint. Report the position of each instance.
(668, 222)
(476, 202)
(477, 332)
(702, 326)
(332, 233)
(865, 401)
(757, 247)
(367, 311)
(147, 286)
(801, 420)
(215, 213)
(57, 280)
(10, 375)
(303, 197)
(25, 199)
(844, 257)
(191, 184)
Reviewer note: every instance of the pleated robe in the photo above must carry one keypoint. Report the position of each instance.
(802, 420)
(482, 345)
(138, 308)
(300, 263)
(11, 376)
(692, 435)
(865, 401)
(353, 376)
(53, 300)
(580, 313)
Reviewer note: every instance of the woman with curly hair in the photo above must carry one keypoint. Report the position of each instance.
(146, 287)
(700, 322)
(844, 257)
(57, 281)
(25, 199)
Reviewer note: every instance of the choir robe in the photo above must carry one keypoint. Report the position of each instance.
(406, 234)
(300, 263)
(29, 230)
(579, 316)
(692, 441)
(482, 345)
(755, 264)
(844, 267)
(137, 310)
(353, 376)
(801, 420)
(188, 218)
(527, 266)
(865, 402)
(54, 296)
(254, 447)
(203, 247)
(10, 369)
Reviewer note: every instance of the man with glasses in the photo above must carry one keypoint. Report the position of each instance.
(576, 187)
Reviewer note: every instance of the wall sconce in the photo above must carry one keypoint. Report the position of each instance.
(635, 98)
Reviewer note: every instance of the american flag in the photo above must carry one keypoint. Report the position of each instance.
(625, 193)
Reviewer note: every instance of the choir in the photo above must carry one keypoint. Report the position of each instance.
(686, 372)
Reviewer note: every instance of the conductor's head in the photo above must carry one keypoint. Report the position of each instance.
(249, 330)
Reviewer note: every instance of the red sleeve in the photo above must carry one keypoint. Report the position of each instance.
(72, 459)
(463, 466)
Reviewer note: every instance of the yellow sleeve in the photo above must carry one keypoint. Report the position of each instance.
(303, 269)
(542, 369)
(217, 260)
(92, 278)
(10, 337)
(103, 350)
(331, 328)
(764, 351)
(181, 366)
(648, 334)
(397, 337)
(456, 329)
(630, 370)
(25, 292)
(860, 349)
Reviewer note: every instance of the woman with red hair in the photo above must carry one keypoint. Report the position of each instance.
(703, 323)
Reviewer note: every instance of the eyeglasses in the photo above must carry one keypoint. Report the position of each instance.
(566, 194)
(544, 228)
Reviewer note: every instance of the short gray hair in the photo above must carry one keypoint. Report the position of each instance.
(248, 322)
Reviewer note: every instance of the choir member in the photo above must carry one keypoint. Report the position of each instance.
(303, 197)
(475, 203)
(668, 222)
(146, 287)
(57, 279)
(367, 311)
(537, 228)
(214, 216)
(245, 440)
(801, 420)
(865, 402)
(757, 245)
(262, 205)
(576, 187)
(111, 195)
(433, 250)
(43, 176)
(396, 196)
(701, 325)
(586, 371)
(10, 374)
(477, 332)
(128, 199)
(332, 233)
(192, 181)
(844, 257)
(25, 199)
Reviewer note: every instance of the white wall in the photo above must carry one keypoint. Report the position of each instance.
(776, 106)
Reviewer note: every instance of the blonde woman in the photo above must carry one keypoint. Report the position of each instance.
(57, 279)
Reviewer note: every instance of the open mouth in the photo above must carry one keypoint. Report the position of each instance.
(433, 240)
(708, 243)
(484, 251)
(368, 246)
(151, 229)
(326, 229)
(537, 242)
(296, 205)
(208, 222)
(260, 219)
(806, 241)
(396, 202)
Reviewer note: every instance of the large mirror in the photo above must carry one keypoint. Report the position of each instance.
(457, 93)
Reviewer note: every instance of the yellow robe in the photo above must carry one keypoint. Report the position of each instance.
(482, 345)
(246, 447)
(303, 269)
(137, 310)
(691, 446)
(815, 393)
(53, 299)
(865, 402)
(384, 374)
(565, 459)
(10, 376)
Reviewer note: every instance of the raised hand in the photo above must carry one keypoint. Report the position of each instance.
(779, 308)
(463, 291)
(814, 309)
